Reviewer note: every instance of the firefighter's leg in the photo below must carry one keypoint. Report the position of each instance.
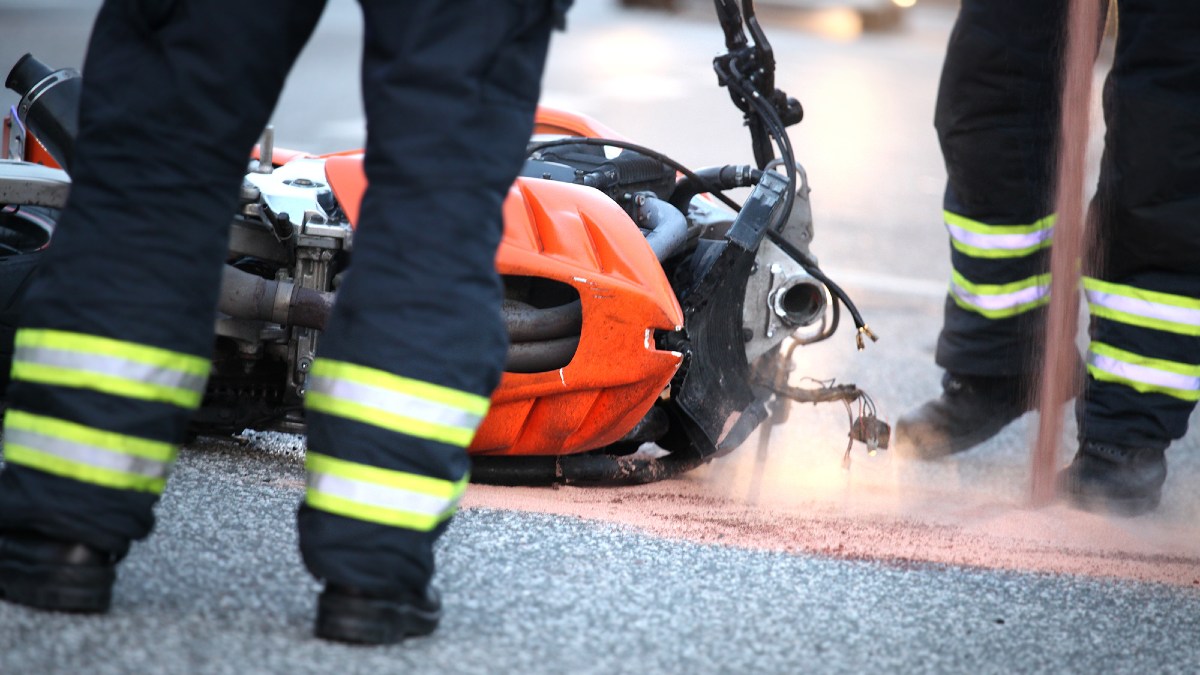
(416, 343)
(113, 352)
(996, 119)
(1144, 293)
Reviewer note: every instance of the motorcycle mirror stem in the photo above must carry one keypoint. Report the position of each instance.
(766, 55)
(731, 22)
(731, 17)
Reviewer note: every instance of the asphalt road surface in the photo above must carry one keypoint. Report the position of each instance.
(788, 563)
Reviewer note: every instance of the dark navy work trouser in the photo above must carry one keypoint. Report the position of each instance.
(997, 120)
(112, 353)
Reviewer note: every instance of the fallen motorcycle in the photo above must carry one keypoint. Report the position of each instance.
(643, 305)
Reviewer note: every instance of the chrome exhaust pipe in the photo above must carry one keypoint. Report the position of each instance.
(799, 301)
(49, 105)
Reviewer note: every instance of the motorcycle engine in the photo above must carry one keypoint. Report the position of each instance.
(291, 232)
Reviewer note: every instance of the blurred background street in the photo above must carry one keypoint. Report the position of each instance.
(775, 561)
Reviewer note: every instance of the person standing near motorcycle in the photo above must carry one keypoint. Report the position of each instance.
(113, 352)
(997, 120)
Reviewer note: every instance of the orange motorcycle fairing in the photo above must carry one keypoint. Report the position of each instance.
(577, 236)
(557, 122)
(30, 150)
(281, 156)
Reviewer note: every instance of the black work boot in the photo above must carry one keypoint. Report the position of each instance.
(349, 615)
(1114, 478)
(970, 410)
(46, 573)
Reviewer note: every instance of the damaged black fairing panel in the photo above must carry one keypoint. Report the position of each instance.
(712, 391)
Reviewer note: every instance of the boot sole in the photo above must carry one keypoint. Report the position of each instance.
(372, 622)
(60, 588)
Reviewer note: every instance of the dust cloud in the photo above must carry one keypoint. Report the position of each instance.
(971, 510)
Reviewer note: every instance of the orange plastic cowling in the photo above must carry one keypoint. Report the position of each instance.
(577, 236)
(553, 121)
(32, 151)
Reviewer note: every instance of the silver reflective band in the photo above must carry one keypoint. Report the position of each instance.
(83, 453)
(1005, 242)
(112, 366)
(1144, 374)
(1001, 301)
(381, 496)
(1145, 308)
(396, 403)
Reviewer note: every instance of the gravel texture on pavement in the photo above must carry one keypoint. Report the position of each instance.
(219, 588)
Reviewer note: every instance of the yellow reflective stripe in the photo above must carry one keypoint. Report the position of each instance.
(980, 227)
(86, 454)
(1143, 387)
(1139, 307)
(1142, 373)
(981, 240)
(78, 433)
(1143, 321)
(387, 401)
(435, 487)
(114, 367)
(471, 403)
(395, 403)
(994, 253)
(373, 514)
(405, 425)
(1185, 369)
(999, 301)
(106, 384)
(1000, 313)
(93, 344)
(1156, 297)
(20, 455)
(385, 496)
(999, 289)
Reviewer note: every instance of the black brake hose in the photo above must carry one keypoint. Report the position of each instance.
(726, 177)
(775, 129)
(778, 132)
(809, 266)
(626, 145)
